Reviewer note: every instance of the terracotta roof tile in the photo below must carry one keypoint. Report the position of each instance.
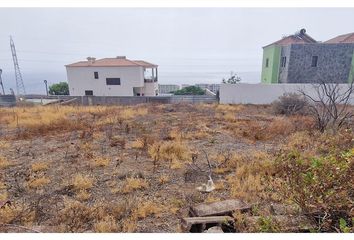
(298, 38)
(112, 62)
(144, 63)
(345, 38)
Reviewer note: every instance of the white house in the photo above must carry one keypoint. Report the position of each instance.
(112, 77)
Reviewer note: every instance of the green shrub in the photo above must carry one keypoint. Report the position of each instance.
(267, 224)
(191, 90)
(321, 184)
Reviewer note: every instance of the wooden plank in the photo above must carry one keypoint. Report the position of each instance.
(218, 208)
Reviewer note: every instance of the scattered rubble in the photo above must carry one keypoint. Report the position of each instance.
(213, 217)
(225, 207)
(217, 217)
(215, 229)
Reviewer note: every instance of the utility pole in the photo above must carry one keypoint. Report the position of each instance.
(2, 85)
(20, 87)
(46, 86)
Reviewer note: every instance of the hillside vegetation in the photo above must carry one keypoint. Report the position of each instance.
(136, 168)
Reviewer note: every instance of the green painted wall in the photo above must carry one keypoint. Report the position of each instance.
(270, 74)
(351, 73)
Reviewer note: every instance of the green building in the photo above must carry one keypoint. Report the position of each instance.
(298, 58)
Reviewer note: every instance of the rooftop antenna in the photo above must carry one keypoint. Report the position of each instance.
(20, 87)
(2, 85)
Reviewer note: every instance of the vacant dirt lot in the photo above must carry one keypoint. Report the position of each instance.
(136, 169)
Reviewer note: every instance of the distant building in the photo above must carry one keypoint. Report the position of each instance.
(299, 58)
(168, 88)
(112, 77)
(185, 85)
(212, 87)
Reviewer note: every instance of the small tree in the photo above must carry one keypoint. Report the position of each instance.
(191, 90)
(61, 88)
(233, 79)
(330, 107)
(290, 104)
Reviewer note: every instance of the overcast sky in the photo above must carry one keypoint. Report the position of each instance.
(189, 45)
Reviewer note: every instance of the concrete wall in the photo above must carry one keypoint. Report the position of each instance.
(151, 89)
(351, 74)
(243, 93)
(283, 71)
(82, 78)
(334, 63)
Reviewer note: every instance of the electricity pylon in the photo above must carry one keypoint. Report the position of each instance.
(20, 87)
(1, 84)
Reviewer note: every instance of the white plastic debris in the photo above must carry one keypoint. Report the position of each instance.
(210, 186)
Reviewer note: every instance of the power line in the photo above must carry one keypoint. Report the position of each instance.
(35, 60)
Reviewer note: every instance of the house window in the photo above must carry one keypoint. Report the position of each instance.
(88, 93)
(283, 61)
(314, 61)
(113, 81)
(95, 74)
(267, 62)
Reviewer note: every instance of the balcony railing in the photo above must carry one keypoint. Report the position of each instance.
(150, 80)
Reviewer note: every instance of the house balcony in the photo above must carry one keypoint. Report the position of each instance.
(150, 80)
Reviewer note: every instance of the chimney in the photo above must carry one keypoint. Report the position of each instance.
(121, 57)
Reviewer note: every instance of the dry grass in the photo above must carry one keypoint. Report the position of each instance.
(138, 144)
(4, 144)
(4, 196)
(173, 152)
(106, 225)
(129, 113)
(129, 225)
(247, 181)
(4, 163)
(132, 184)
(136, 168)
(38, 183)
(39, 166)
(17, 212)
(74, 217)
(164, 179)
(82, 182)
(2, 185)
(211, 199)
(219, 186)
(100, 162)
(147, 209)
(83, 195)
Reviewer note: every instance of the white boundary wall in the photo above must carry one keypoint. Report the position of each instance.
(244, 93)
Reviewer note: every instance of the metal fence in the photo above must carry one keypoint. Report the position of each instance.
(110, 100)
